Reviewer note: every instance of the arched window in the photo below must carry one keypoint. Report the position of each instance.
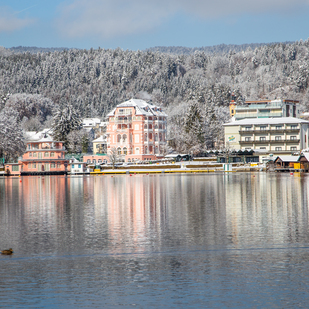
(150, 149)
(145, 137)
(146, 149)
(125, 151)
(129, 160)
(145, 126)
(124, 138)
(118, 138)
(156, 149)
(150, 136)
(119, 151)
(150, 126)
(156, 137)
(160, 137)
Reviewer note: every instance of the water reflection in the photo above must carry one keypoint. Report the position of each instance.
(199, 240)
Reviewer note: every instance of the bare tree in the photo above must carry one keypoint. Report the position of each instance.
(113, 156)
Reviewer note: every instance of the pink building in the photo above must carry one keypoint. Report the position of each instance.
(43, 156)
(137, 130)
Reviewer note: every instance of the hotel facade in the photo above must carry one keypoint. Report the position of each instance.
(137, 130)
(273, 135)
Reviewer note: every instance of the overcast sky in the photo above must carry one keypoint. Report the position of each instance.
(138, 24)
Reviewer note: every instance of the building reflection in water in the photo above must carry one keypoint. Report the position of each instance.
(266, 208)
(143, 213)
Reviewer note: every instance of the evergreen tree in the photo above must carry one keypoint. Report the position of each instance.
(11, 135)
(64, 122)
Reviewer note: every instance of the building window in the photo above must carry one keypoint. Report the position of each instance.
(124, 138)
(293, 138)
(88, 161)
(72, 165)
(33, 165)
(59, 165)
(125, 151)
(247, 128)
(30, 154)
(118, 138)
(52, 154)
(278, 127)
(145, 126)
(247, 139)
(46, 154)
(119, 151)
(145, 137)
(53, 165)
(137, 150)
(146, 150)
(263, 128)
(278, 148)
(150, 126)
(262, 138)
(79, 165)
(293, 148)
(15, 168)
(277, 138)
(262, 147)
(293, 127)
(35, 154)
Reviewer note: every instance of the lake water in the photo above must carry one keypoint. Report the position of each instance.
(238, 240)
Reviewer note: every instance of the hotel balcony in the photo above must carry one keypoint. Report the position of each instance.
(122, 120)
(271, 131)
(271, 141)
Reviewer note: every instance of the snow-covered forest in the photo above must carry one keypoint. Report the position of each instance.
(194, 89)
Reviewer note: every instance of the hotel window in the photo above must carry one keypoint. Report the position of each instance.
(293, 127)
(293, 148)
(52, 154)
(30, 154)
(33, 165)
(277, 138)
(35, 154)
(125, 151)
(247, 128)
(53, 165)
(247, 139)
(278, 127)
(119, 151)
(46, 154)
(263, 128)
(278, 148)
(293, 138)
(58, 165)
(262, 138)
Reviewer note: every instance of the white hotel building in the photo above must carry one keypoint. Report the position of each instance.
(283, 135)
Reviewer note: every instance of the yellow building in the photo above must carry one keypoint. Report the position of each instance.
(265, 109)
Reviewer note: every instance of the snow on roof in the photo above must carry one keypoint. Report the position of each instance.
(279, 120)
(141, 108)
(288, 158)
(99, 139)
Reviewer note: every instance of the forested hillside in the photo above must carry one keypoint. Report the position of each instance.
(199, 84)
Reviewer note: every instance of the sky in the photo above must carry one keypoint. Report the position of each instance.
(140, 24)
